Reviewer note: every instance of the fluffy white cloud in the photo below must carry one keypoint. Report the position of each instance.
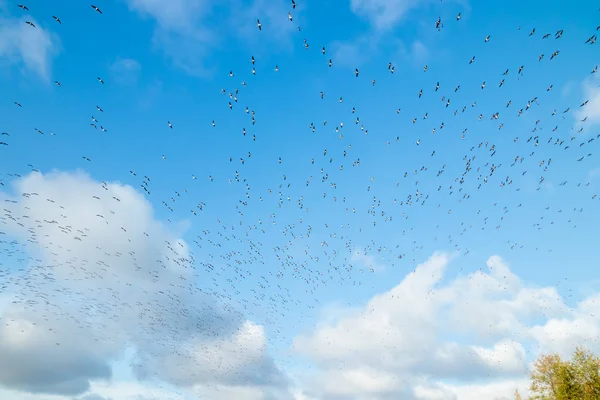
(29, 48)
(424, 339)
(581, 325)
(105, 276)
(503, 390)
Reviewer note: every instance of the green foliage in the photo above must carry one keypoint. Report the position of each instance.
(555, 379)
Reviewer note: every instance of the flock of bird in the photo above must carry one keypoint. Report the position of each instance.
(309, 225)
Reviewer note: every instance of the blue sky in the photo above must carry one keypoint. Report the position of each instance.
(294, 246)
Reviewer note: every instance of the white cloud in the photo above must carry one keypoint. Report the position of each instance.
(424, 339)
(188, 30)
(351, 54)
(28, 47)
(130, 390)
(180, 15)
(354, 53)
(594, 173)
(105, 276)
(416, 52)
(591, 92)
(384, 14)
(419, 51)
(181, 30)
(272, 15)
(80, 305)
(366, 262)
(581, 325)
(125, 70)
(119, 390)
(503, 390)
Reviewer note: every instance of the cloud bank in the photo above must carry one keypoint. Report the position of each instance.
(100, 276)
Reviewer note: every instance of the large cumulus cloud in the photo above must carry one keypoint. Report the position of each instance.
(105, 276)
(427, 338)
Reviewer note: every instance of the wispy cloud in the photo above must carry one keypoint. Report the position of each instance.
(351, 54)
(125, 70)
(367, 261)
(591, 111)
(180, 31)
(593, 174)
(32, 49)
(150, 94)
(176, 15)
(384, 14)
(419, 51)
(188, 30)
(354, 53)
